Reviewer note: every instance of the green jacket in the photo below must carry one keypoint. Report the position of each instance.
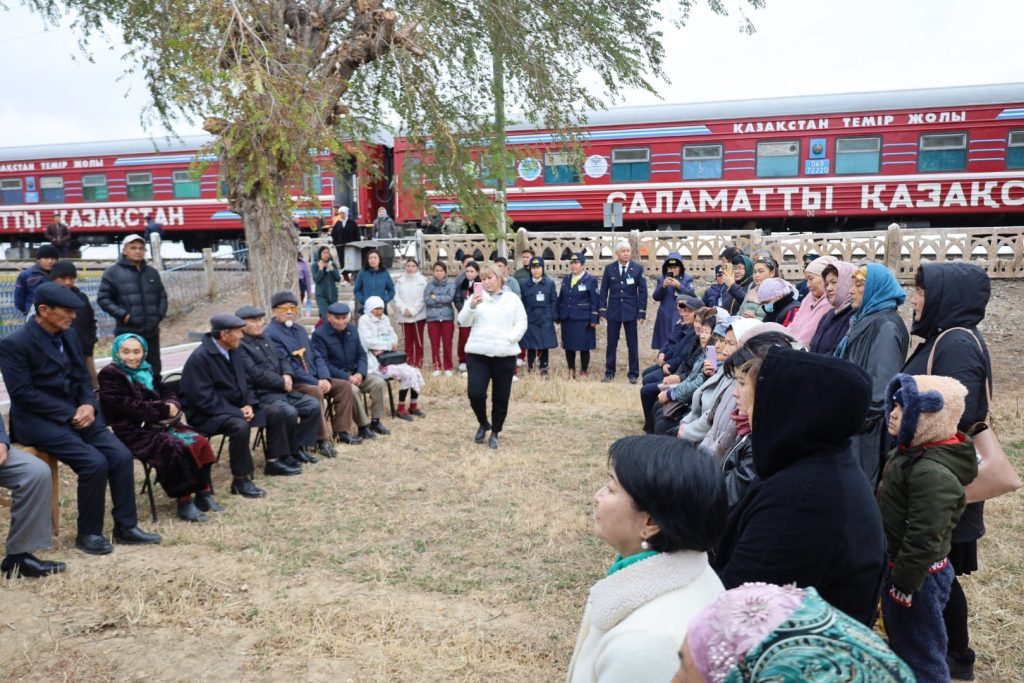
(326, 282)
(922, 497)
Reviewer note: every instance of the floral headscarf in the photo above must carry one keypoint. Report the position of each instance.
(785, 634)
(142, 374)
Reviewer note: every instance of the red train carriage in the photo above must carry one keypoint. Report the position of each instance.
(946, 156)
(106, 189)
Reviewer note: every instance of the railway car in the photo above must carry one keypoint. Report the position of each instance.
(929, 157)
(105, 189)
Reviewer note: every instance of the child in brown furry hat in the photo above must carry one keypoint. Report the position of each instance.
(922, 497)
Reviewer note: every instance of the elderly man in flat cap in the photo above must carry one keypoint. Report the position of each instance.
(338, 344)
(271, 377)
(53, 408)
(309, 370)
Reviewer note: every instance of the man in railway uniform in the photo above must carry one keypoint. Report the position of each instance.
(53, 408)
(133, 294)
(624, 305)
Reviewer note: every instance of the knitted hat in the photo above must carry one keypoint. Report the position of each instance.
(932, 406)
(773, 289)
(47, 251)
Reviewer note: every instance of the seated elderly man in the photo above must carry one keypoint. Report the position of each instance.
(218, 399)
(53, 408)
(310, 373)
(272, 380)
(338, 344)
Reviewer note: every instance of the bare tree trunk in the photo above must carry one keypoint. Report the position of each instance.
(272, 243)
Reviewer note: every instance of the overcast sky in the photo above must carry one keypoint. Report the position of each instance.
(51, 94)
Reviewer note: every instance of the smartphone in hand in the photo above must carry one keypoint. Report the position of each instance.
(478, 289)
(711, 354)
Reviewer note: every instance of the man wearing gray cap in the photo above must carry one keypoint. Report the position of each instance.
(53, 408)
(133, 294)
(218, 399)
(272, 380)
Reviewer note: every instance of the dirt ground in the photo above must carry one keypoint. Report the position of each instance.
(416, 557)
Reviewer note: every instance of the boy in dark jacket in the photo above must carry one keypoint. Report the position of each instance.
(922, 497)
(65, 273)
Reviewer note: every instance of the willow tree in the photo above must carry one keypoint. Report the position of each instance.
(277, 80)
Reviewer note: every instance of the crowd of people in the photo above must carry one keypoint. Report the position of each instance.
(797, 466)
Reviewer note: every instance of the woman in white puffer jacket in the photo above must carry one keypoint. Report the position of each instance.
(498, 322)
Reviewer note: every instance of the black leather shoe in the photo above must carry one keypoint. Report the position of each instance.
(303, 457)
(608, 378)
(289, 461)
(347, 439)
(29, 566)
(481, 434)
(280, 468)
(135, 536)
(632, 380)
(377, 427)
(366, 433)
(188, 511)
(246, 489)
(325, 449)
(207, 503)
(493, 441)
(94, 544)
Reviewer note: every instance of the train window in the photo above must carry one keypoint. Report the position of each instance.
(312, 182)
(702, 162)
(10, 191)
(185, 187)
(942, 152)
(1015, 149)
(778, 159)
(52, 188)
(559, 168)
(140, 185)
(94, 187)
(490, 180)
(858, 155)
(631, 164)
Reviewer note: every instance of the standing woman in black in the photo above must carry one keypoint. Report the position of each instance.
(579, 308)
(951, 295)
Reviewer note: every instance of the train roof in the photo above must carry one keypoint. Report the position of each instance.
(887, 100)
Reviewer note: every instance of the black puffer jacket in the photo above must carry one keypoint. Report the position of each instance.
(812, 518)
(956, 295)
(138, 292)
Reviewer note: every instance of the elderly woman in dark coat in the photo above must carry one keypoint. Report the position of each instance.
(579, 308)
(541, 303)
(146, 416)
(877, 342)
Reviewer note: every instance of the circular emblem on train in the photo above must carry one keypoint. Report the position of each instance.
(530, 169)
(595, 166)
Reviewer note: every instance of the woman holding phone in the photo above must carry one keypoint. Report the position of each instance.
(496, 321)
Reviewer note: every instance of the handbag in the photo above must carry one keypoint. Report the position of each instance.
(392, 358)
(996, 474)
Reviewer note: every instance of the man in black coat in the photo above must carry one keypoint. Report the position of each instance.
(64, 273)
(272, 381)
(53, 408)
(812, 518)
(344, 231)
(133, 294)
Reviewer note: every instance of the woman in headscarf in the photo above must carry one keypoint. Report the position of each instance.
(377, 336)
(778, 301)
(737, 278)
(877, 342)
(661, 511)
(836, 323)
(147, 418)
(579, 310)
(815, 305)
(785, 634)
(672, 282)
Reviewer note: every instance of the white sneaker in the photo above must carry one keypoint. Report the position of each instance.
(462, 367)
(436, 373)
(447, 373)
(519, 362)
(515, 378)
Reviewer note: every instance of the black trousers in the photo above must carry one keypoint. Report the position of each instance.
(236, 429)
(570, 360)
(153, 354)
(613, 346)
(292, 422)
(498, 372)
(97, 457)
(533, 355)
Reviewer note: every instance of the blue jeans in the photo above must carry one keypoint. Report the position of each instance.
(918, 633)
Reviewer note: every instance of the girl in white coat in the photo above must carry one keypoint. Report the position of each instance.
(412, 310)
(662, 509)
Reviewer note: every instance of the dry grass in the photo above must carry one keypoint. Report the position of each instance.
(417, 557)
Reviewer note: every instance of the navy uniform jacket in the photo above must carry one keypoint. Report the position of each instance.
(307, 367)
(213, 388)
(579, 307)
(541, 303)
(341, 351)
(621, 300)
(46, 386)
(264, 369)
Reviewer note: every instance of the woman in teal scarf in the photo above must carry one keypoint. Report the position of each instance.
(877, 342)
(147, 417)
